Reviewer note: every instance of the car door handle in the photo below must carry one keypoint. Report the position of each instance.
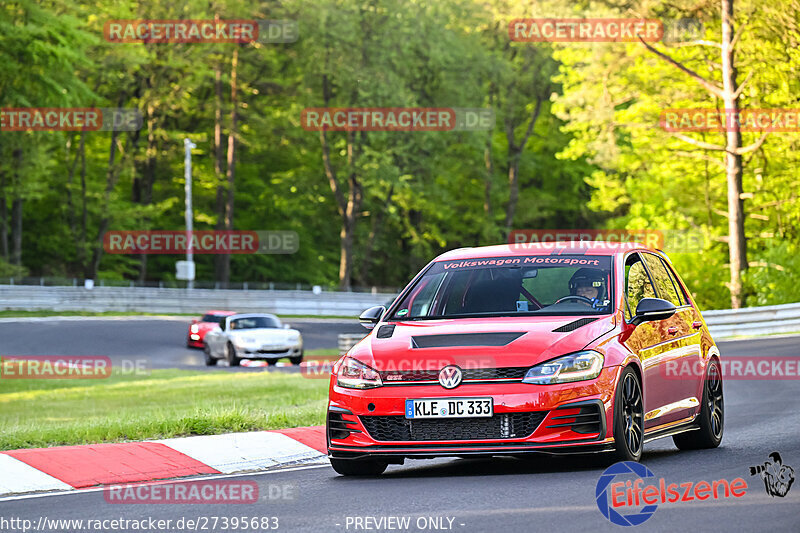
(697, 324)
(672, 330)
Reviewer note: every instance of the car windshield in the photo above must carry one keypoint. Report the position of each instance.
(253, 322)
(217, 319)
(510, 286)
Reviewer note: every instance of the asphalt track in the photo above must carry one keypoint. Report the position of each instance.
(160, 341)
(510, 495)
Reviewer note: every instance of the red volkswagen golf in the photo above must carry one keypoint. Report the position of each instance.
(513, 349)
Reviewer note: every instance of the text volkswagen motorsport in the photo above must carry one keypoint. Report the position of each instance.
(549, 347)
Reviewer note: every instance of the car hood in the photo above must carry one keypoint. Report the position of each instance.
(272, 335)
(478, 342)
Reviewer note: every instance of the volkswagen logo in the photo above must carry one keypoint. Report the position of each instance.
(450, 377)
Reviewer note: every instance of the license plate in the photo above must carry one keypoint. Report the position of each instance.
(449, 408)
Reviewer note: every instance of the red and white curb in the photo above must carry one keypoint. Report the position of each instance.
(66, 468)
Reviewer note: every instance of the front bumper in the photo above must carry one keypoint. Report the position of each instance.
(195, 340)
(574, 418)
(253, 352)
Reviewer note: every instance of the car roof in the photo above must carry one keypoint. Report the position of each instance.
(544, 248)
(220, 313)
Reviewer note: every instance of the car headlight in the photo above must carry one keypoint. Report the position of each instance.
(194, 328)
(578, 366)
(353, 374)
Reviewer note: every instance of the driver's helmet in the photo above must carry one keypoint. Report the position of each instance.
(589, 277)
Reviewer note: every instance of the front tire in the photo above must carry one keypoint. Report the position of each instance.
(628, 417)
(210, 361)
(712, 415)
(230, 353)
(358, 467)
(296, 360)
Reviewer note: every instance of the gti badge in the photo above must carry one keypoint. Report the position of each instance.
(450, 377)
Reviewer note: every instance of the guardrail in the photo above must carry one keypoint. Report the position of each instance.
(348, 340)
(722, 324)
(152, 300)
(769, 319)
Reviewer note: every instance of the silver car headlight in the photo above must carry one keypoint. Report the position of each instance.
(577, 366)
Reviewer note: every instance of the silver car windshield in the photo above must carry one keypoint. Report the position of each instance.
(254, 322)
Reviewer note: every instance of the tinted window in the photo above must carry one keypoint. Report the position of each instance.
(637, 284)
(217, 319)
(666, 289)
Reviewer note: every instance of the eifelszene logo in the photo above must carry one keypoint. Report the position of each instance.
(634, 492)
(778, 477)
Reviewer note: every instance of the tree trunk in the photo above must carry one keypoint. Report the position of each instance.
(737, 245)
(146, 194)
(377, 226)
(514, 155)
(16, 211)
(219, 260)
(729, 94)
(97, 253)
(231, 170)
(349, 206)
(3, 216)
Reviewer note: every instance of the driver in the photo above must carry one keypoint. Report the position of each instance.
(589, 283)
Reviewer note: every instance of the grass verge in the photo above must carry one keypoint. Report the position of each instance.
(166, 403)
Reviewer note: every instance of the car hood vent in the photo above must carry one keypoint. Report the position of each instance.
(572, 326)
(500, 338)
(384, 332)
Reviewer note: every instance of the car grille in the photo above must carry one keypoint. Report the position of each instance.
(502, 426)
(468, 374)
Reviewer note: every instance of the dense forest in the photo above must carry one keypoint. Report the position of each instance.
(576, 141)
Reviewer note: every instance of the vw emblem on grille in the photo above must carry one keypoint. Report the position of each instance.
(450, 377)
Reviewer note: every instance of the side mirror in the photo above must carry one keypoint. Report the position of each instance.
(287, 326)
(371, 316)
(653, 309)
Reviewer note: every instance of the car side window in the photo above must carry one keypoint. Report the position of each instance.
(666, 289)
(674, 277)
(637, 284)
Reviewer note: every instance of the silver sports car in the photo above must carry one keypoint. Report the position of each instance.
(252, 336)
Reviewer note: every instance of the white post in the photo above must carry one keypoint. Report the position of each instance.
(188, 145)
